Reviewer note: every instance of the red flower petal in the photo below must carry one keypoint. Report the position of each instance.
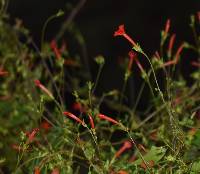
(37, 83)
(120, 31)
(73, 117)
(104, 117)
(91, 121)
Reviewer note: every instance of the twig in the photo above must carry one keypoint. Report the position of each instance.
(70, 18)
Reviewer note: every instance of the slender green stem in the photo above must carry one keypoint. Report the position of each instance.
(140, 154)
(44, 28)
(48, 71)
(138, 97)
(97, 78)
(122, 96)
(151, 116)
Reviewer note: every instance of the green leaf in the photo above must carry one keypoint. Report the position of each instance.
(155, 154)
(89, 151)
(196, 139)
(196, 167)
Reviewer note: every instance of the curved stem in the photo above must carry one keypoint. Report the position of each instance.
(60, 13)
(97, 78)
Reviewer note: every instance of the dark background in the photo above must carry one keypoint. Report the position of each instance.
(97, 21)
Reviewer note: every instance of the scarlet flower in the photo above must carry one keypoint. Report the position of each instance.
(91, 121)
(139, 65)
(43, 88)
(149, 163)
(167, 26)
(55, 171)
(141, 147)
(179, 52)
(56, 51)
(132, 158)
(63, 47)
(3, 73)
(31, 135)
(153, 135)
(126, 145)
(157, 55)
(37, 170)
(78, 107)
(132, 56)
(74, 117)
(121, 32)
(45, 125)
(171, 43)
(16, 147)
(171, 62)
(177, 55)
(37, 83)
(104, 117)
(122, 172)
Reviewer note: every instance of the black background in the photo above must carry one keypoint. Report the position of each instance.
(98, 20)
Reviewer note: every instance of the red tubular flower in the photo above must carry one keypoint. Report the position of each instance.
(31, 135)
(37, 83)
(43, 88)
(56, 51)
(16, 147)
(78, 107)
(126, 145)
(157, 55)
(180, 48)
(45, 125)
(74, 117)
(37, 170)
(154, 135)
(177, 55)
(141, 147)
(149, 163)
(171, 43)
(55, 171)
(196, 64)
(132, 56)
(91, 121)
(121, 32)
(139, 65)
(171, 62)
(63, 47)
(3, 73)
(132, 158)
(104, 117)
(122, 172)
(167, 26)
